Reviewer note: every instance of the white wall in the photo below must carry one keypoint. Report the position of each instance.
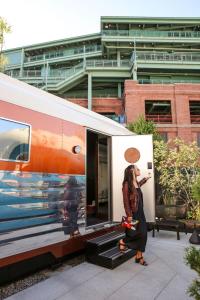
(119, 145)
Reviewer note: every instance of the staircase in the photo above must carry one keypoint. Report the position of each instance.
(104, 251)
(72, 78)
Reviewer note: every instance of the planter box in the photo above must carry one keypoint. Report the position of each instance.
(171, 211)
(190, 224)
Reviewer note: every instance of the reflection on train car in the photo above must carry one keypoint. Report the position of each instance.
(29, 197)
(71, 201)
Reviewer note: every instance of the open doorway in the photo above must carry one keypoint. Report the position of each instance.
(98, 178)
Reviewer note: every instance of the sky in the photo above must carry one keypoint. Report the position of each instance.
(36, 21)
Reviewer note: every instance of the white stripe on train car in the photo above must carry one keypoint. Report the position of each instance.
(25, 95)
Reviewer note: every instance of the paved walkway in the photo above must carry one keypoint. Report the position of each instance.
(166, 277)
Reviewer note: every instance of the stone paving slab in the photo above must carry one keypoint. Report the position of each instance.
(166, 277)
(176, 289)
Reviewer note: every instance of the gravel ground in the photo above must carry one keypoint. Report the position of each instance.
(23, 283)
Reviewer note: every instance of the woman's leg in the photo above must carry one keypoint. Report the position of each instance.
(140, 259)
(122, 245)
(138, 254)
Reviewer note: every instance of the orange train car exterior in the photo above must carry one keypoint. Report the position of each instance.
(55, 175)
(52, 142)
(61, 169)
(43, 154)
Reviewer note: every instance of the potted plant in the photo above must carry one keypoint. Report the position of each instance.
(178, 165)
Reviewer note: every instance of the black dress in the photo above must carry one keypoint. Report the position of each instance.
(138, 242)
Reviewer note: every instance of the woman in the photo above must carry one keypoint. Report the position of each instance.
(133, 205)
(71, 199)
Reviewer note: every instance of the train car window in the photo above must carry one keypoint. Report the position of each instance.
(14, 140)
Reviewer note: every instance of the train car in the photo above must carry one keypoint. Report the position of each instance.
(62, 164)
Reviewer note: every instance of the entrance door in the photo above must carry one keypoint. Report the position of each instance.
(144, 144)
(98, 178)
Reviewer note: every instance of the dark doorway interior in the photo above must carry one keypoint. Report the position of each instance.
(98, 179)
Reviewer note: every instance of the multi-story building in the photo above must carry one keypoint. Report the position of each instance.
(134, 66)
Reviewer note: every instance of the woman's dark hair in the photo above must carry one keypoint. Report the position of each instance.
(72, 182)
(128, 177)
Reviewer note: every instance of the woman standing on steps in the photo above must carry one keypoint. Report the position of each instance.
(133, 205)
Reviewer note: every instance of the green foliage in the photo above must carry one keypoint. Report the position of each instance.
(177, 164)
(192, 258)
(178, 167)
(196, 197)
(142, 126)
(4, 28)
(196, 189)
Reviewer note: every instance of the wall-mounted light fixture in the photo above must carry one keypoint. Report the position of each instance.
(76, 149)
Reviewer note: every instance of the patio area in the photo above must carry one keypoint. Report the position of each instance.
(166, 276)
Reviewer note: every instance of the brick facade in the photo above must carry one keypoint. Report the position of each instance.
(133, 104)
(179, 95)
(102, 105)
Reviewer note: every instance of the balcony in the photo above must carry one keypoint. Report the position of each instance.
(63, 53)
(108, 63)
(150, 33)
(54, 73)
(195, 119)
(61, 74)
(163, 56)
(159, 118)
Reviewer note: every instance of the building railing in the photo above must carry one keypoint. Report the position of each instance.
(161, 56)
(66, 72)
(152, 33)
(195, 119)
(107, 63)
(167, 81)
(57, 73)
(61, 74)
(63, 53)
(159, 118)
(13, 73)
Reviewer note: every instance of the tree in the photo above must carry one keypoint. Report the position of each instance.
(192, 258)
(4, 28)
(142, 126)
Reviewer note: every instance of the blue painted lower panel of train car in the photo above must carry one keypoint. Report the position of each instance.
(31, 199)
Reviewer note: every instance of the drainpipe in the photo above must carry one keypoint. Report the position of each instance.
(89, 91)
(134, 70)
(84, 57)
(46, 75)
(118, 58)
(119, 90)
(22, 62)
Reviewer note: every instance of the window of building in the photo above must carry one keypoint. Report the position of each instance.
(14, 140)
(158, 111)
(195, 111)
(111, 115)
(164, 136)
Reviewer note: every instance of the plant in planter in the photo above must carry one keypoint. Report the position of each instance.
(178, 167)
(192, 258)
(195, 211)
